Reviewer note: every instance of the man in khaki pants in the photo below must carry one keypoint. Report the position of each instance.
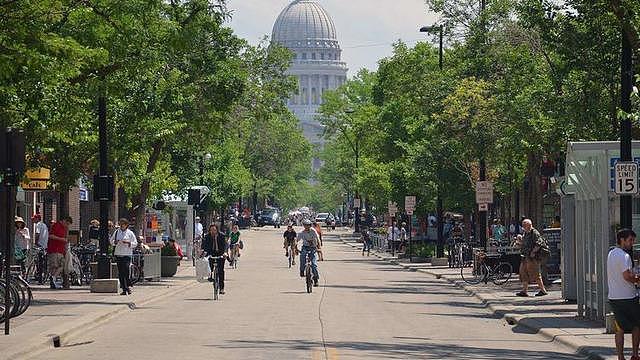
(533, 247)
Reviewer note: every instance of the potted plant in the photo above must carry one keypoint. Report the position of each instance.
(422, 253)
(169, 261)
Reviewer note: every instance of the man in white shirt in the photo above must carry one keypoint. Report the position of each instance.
(41, 240)
(124, 241)
(199, 229)
(623, 295)
(393, 236)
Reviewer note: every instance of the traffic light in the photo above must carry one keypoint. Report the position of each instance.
(193, 197)
(12, 150)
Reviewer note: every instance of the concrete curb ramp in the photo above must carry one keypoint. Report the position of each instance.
(68, 329)
(580, 346)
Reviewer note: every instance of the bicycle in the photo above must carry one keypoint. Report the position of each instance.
(20, 295)
(499, 274)
(308, 273)
(291, 255)
(213, 263)
(234, 256)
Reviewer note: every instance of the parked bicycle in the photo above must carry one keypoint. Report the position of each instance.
(499, 274)
(20, 295)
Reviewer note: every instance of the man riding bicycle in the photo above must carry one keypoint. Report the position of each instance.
(310, 245)
(291, 242)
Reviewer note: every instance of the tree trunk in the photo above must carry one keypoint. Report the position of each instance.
(139, 201)
(533, 193)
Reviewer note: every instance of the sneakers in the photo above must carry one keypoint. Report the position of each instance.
(222, 292)
(522, 294)
(315, 283)
(541, 293)
(301, 275)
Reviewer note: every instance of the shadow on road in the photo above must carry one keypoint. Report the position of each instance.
(418, 349)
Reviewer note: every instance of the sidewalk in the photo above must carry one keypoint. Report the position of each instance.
(65, 313)
(550, 316)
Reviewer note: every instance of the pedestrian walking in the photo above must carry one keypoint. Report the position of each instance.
(124, 241)
(56, 250)
(623, 295)
(534, 251)
(41, 236)
(22, 242)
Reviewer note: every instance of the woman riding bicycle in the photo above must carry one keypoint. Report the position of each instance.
(234, 242)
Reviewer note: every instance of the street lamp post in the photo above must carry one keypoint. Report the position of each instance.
(356, 150)
(626, 201)
(439, 204)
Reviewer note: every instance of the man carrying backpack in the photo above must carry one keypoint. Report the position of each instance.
(534, 252)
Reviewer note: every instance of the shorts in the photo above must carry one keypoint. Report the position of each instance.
(626, 313)
(529, 270)
(55, 263)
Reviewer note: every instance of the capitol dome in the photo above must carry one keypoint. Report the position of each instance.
(304, 23)
(306, 29)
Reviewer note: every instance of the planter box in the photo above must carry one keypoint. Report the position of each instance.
(114, 270)
(440, 262)
(420, 260)
(169, 265)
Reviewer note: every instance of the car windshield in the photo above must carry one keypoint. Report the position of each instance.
(268, 212)
(322, 216)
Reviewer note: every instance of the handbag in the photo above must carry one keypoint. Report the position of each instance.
(241, 244)
(203, 270)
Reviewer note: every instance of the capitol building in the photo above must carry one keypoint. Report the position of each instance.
(306, 29)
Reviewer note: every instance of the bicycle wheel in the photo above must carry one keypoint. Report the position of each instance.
(473, 275)
(502, 273)
(309, 279)
(25, 295)
(134, 274)
(216, 285)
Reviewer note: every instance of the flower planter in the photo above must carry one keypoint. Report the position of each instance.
(169, 265)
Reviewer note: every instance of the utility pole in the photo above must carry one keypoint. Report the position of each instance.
(626, 201)
(482, 215)
(103, 187)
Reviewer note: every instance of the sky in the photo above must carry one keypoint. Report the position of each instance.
(366, 28)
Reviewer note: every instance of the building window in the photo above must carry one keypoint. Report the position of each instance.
(314, 96)
(313, 56)
(321, 56)
(304, 56)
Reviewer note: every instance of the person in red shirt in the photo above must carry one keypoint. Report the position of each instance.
(56, 249)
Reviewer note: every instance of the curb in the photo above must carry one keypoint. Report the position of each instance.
(42, 342)
(558, 336)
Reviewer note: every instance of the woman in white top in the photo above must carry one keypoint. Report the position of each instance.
(22, 241)
(124, 241)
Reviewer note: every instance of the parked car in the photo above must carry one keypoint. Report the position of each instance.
(270, 217)
(321, 217)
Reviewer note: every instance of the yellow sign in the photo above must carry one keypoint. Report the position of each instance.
(35, 185)
(38, 174)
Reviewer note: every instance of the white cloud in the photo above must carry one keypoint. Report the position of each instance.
(366, 28)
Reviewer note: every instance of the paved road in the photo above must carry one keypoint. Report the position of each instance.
(364, 309)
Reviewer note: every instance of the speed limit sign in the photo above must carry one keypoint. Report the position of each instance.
(626, 180)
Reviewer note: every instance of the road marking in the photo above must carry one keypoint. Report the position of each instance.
(331, 354)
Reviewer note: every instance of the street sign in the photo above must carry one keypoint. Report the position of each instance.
(409, 212)
(393, 208)
(409, 204)
(483, 207)
(626, 180)
(356, 203)
(484, 192)
(35, 185)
